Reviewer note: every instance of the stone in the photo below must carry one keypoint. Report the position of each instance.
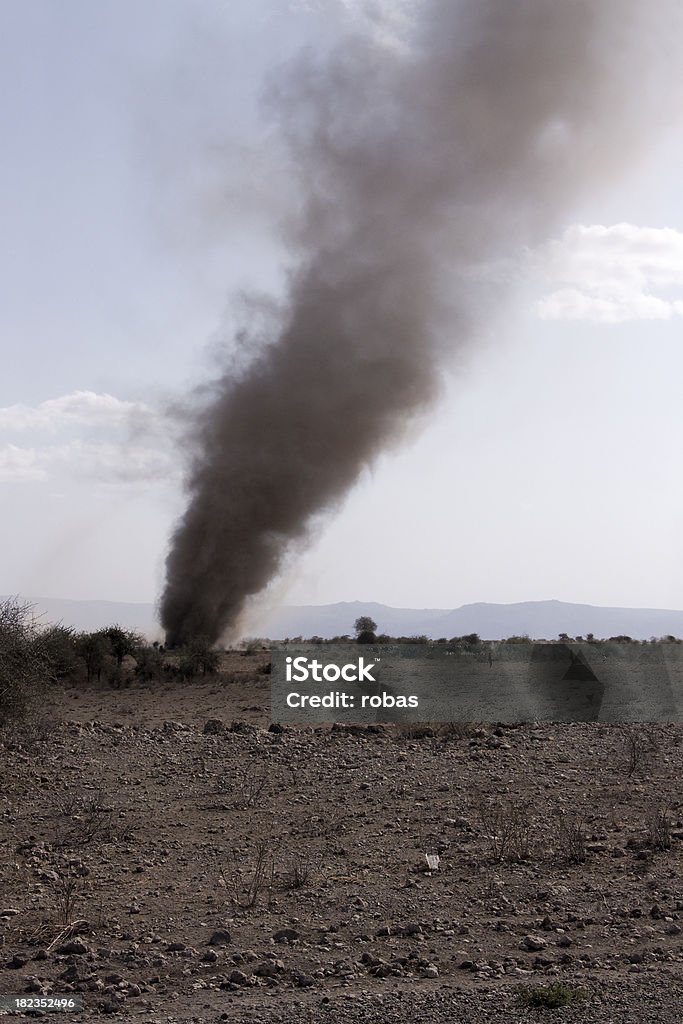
(239, 978)
(213, 727)
(269, 969)
(76, 946)
(533, 943)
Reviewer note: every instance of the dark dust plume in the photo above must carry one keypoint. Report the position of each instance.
(415, 164)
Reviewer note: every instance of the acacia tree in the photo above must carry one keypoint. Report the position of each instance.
(199, 658)
(366, 630)
(122, 641)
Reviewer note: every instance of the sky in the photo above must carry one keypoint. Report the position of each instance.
(140, 192)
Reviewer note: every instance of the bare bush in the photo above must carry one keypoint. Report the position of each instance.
(659, 827)
(507, 827)
(66, 891)
(571, 839)
(248, 784)
(302, 870)
(90, 820)
(251, 785)
(640, 743)
(249, 880)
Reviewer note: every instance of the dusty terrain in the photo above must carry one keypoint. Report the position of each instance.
(227, 872)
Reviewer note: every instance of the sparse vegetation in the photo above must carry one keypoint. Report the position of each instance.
(506, 827)
(248, 785)
(659, 827)
(552, 996)
(87, 818)
(248, 878)
(303, 868)
(571, 839)
(66, 892)
(640, 743)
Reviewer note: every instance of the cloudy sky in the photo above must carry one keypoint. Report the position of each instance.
(140, 190)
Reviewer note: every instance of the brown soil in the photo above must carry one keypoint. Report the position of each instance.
(306, 848)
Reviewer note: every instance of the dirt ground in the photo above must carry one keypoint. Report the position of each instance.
(166, 856)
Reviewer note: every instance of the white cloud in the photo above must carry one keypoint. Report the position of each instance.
(19, 464)
(573, 304)
(612, 274)
(81, 408)
(92, 437)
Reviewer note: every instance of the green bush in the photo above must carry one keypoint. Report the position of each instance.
(551, 997)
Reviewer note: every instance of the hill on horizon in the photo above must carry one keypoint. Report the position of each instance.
(538, 619)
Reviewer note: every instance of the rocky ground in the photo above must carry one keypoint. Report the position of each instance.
(165, 856)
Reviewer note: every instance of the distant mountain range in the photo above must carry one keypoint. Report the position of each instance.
(539, 619)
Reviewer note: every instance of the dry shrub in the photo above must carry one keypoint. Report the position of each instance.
(302, 870)
(507, 827)
(24, 665)
(249, 878)
(659, 827)
(571, 839)
(90, 820)
(640, 744)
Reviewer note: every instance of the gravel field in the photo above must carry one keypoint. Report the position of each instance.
(166, 856)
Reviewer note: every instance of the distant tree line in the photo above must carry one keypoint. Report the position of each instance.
(365, 630)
